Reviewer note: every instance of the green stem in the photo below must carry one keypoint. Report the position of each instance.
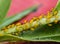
(42, 21)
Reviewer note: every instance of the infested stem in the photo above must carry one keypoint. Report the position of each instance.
(32, 24)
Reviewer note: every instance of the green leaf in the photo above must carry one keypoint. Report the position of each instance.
(45, 33)
(4, 6)
(8, 38)
(17, 17)
(53, 38)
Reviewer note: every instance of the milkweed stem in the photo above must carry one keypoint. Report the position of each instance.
(33, 24)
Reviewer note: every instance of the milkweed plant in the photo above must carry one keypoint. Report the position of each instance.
(42, 28)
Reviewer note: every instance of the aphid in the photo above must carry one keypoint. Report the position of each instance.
(31, 21)
(1, 34)
(18, 24)
(40, 17)
(32, 29)
(25, 21)
(16, 33)
(55, 12)
(49, 24)
(56, 21)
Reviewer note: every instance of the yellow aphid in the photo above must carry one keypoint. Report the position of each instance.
(16, 33)
(31, 21)
(48, 20)
(9, 26)
(12, 25)
(27, 26)
(32, 29)
(55, 12)
(49, 24)
(56, 21)
(18, 28)
(1, 34)
(56, 16)
(36, 25)
(49, 16)
(18, 24)
(25, 21)
(5, 30)
(34, 18)
(24, 27)
(40, 17)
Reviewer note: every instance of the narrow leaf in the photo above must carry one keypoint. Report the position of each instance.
(4, 6)
(19, 16)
